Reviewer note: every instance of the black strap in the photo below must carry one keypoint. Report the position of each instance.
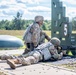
(30, 46)
(41, 54)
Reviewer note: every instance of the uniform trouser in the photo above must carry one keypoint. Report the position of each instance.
(7, 56)
(32, 59)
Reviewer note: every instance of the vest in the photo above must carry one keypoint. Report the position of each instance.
(44, 50)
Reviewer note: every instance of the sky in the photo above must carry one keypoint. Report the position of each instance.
(30, 8)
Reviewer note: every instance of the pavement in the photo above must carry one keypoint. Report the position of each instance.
(41, 68)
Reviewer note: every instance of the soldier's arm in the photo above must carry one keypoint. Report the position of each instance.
(46, 36)
(56, 55)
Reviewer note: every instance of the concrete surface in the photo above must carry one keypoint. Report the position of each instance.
(15, 51)
(42, 68)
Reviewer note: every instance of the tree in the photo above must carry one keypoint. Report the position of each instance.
(47, 25)
(17, 23)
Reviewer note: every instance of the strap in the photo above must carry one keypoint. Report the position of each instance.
(41, 54)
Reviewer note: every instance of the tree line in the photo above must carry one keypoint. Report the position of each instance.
(20, 24)
(17, 23)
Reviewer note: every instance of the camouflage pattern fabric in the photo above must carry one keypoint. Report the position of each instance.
(43, 36)
(7, 56)
(32, 34)
(52, 51)
(43, 52)
(34, 58)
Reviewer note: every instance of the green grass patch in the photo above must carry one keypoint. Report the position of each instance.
(18, 33)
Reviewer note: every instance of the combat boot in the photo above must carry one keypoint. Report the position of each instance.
(11, 63)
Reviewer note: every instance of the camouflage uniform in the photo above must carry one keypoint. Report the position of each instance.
(43, 52)
(34, 36)
(7, 56)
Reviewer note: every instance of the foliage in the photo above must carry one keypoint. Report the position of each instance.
(47, 25)
(17, 23)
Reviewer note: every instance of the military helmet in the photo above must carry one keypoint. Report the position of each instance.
(55, 41)
(39, 18)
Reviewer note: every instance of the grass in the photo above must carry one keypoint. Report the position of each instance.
(17, 33)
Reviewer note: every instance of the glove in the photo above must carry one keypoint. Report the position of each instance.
(59, 49)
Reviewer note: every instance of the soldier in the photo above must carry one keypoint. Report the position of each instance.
(43, 52)
(33, 34)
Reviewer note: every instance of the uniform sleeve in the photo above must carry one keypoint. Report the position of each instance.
(35, 34)
(47, 37)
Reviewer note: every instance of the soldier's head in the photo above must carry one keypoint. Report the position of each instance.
(55, 41)
(39, 20)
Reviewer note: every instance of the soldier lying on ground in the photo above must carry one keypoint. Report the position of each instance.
(33, 35)
(43, 52)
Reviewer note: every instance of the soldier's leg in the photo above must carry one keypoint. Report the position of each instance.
(12, 62)
(36, 57)
(7, 56)
(24, 61)
(29, 47)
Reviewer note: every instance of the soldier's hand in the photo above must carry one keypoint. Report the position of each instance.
(35, 44)
(64, 52)
(59, 49)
